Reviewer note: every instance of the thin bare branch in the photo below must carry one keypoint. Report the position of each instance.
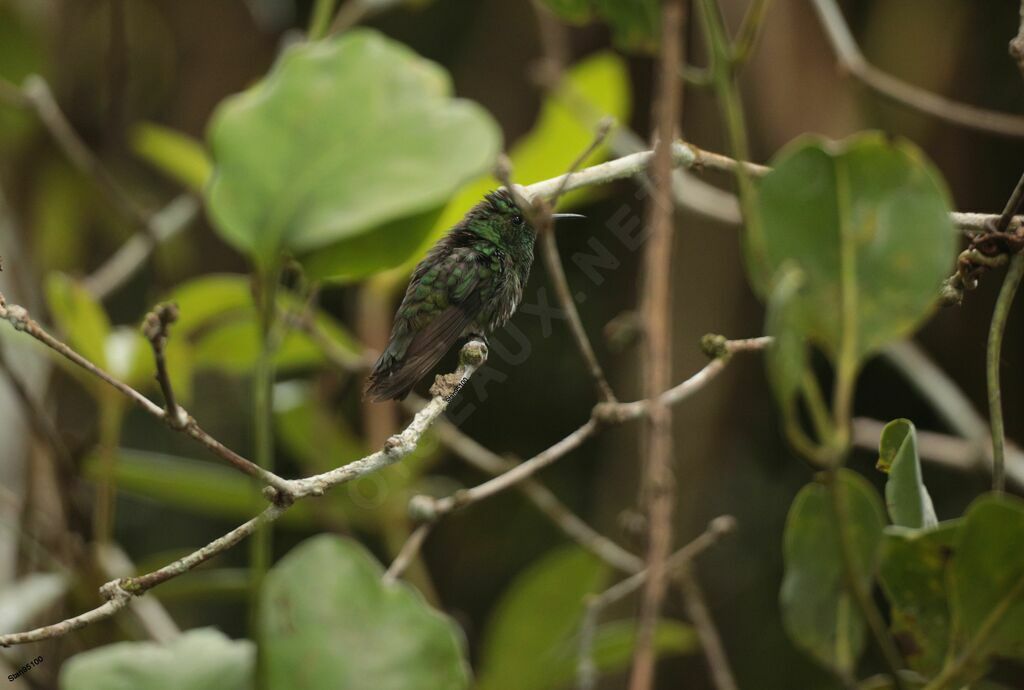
(852, 60)
(542, 497)
(119, 592)
(429, 508)
(658, 487)
(586, 671)
(410, 549)
(20, 319)
(165, 224)
(710, 641)
(157, 329)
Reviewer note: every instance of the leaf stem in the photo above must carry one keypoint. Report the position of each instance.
(320, 21)
(854, 582)
(263, 434)
(995, 345)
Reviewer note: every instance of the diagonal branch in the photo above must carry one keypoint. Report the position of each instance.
(853, 61)
(118, 593)
(20, 319)
(586, 670)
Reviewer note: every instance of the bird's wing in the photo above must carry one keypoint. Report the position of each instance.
(432, 320)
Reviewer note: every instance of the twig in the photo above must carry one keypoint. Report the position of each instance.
(165, 224)
(556, 271)
(992, 364)
(658, 487)
(586, 670)
(435, 508)
(750, 29)
(151, 614)
(408, 553)
(542, 497)
(39, 96)
(710, 640)
(119, 592)
(19, 318)
(852, 60)
(156, 327)
(604, 413)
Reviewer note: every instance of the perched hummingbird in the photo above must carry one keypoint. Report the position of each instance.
(470, 283)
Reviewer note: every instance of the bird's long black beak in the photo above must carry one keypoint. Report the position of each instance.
(556, 216)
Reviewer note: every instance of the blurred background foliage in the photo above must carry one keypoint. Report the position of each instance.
(151, 87)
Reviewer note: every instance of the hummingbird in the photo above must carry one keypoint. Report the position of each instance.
(469, 284)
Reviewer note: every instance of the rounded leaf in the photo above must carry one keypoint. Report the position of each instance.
(341, 137)
(328, 621)
(198, 660)
(866, 221)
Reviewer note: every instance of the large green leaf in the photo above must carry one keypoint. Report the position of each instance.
(819, 614)
(866, 221)
(601, 82)
(536, 615)
(201, 659)
(328, 621)
(988, 579)
(342, 136)
(914, 573)
(634, 23)
(906, 497)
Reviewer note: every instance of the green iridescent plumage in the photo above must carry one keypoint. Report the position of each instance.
(470, 283)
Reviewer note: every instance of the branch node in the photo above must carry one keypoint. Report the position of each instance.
(722, 525)
(714, 345)
(423, 509)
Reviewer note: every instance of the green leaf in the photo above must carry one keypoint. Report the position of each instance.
(235, 347)
(819, 615)
(363, 255)
(787, 358)
(196, 486)
(79, 317)
(867, 223)
(341, 137)
(202, 659)
(218, 314)
(905, 494)
(988, 579)
(177, 155)
(601, 82)
(328, 621)
(634, 23)
(913, 572)
(614, 644)
(209, 299)
(540, 611)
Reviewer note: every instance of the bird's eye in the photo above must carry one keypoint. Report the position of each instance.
(518, 220)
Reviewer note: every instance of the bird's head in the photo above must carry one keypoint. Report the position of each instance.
(499, 218)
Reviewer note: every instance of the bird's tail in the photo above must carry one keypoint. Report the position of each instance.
(389, 380)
